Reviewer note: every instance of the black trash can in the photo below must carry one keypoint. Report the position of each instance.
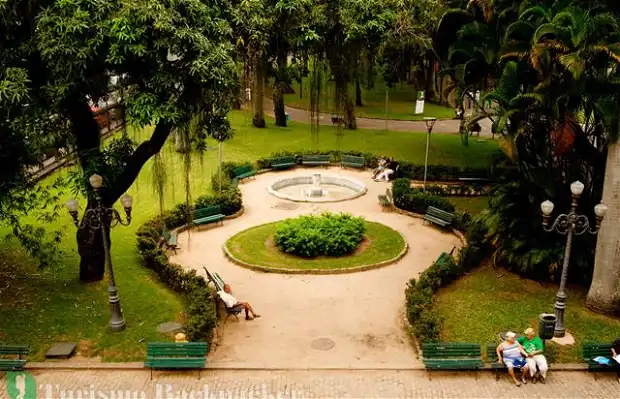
(546, 325)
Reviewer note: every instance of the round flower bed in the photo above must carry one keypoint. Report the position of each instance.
(256, 247)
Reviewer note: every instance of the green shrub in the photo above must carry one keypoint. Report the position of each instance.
(328, 234)
(201, 315)
(229, 200)
(406, 169)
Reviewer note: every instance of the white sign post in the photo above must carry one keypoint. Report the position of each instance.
(419, 104)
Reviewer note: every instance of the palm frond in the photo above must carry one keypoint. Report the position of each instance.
(486, 6)
(535, 13)
(520, 30)
(573, 63)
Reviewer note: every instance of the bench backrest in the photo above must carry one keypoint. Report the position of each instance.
(20, 350)
(491, 353)
(316, 158)
(450, 350)
(353, 159)
(242, 169)
(281, 160)
(442, 258)
(438, 213)
(388, 194)
(177, 349)
(591, 350)
(208, 211)
(166, 234)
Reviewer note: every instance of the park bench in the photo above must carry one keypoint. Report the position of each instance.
(386, 200)
(591, 350)
(176, 355)
(439, 217)
(234, 183)
(352, 161)
(219, 283)
(283, 162)
(14, 361)
(451, 356)
(313, 160)
(210, 214)
(243, 172)
(170, 240)
(337, 120)
(492, 360)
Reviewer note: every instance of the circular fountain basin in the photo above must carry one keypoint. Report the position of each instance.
(324, 188)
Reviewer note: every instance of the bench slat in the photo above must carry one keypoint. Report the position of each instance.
(435, 220)
(14, 350)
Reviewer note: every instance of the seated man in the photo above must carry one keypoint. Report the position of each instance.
(380, 167)
(533, 346)
(232, 303)
(387, 171)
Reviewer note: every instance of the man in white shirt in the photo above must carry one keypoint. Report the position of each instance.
(232, 303)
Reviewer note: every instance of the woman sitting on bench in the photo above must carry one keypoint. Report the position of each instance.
(232, 303)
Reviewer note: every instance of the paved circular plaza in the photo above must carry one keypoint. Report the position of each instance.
(361, 313)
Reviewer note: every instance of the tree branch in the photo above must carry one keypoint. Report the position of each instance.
(140, 156)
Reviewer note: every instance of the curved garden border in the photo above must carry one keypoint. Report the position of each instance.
(348, 270)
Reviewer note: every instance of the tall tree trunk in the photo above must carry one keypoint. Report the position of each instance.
(429, 81)
(87, 135)
(358, 93)
(604, 294)
(90, 248)
(345, 102)
(258, 96)
(278, 95)
(301, 91)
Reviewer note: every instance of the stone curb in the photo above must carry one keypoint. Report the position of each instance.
(249, 366)
(356, 269)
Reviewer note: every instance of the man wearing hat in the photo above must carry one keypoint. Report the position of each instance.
(534, 348)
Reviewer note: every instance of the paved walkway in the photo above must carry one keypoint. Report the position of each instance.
(450, 126)
(362, 312)
(307, 384)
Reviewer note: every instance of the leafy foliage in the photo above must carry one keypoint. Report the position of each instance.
(328, 234)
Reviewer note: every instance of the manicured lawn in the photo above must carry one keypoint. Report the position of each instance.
(488, 300)
(39, 307)
(401, 102)
(255, 246)
(473, 205)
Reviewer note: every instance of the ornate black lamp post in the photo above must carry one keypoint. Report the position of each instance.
(99, 218)
(430, 122)
(569, 224)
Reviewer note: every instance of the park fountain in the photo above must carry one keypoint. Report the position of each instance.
(317, 187)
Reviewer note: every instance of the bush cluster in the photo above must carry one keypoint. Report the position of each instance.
(406, 169)
(420, 294)
(327, 234)
(414, 200)
(200, 311)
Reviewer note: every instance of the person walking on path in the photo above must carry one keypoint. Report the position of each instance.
(534, 349)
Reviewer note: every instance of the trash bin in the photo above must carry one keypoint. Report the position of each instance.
(546, 325)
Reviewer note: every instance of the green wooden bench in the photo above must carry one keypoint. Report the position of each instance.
(15, 361)
(219, 283)
(170, 240)
(243, 172)
(590, 350)
(314, 160)
(234, 183)
(352, 161)
(176, 355)
(439, 217)
(283, 162)
(451, 356)
(386, 201)
(492, 360)
(210, 214)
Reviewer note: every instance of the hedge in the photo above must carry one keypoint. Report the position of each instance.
(200, 310)
(420, 294)
(406, 169)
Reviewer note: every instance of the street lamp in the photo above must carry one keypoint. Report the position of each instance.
(569, 224)
(430, 122)
(99, 218)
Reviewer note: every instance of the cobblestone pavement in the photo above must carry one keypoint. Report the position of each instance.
(250, 384)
